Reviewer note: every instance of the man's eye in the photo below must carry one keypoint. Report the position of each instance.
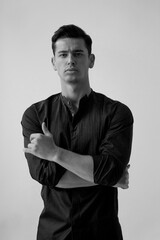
(78, 54)
(63, 55)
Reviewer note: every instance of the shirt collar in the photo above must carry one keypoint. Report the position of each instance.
(83, 101)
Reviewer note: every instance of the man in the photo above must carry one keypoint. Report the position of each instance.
(78, 144)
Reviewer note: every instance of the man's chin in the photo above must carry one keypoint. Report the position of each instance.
(71, 80)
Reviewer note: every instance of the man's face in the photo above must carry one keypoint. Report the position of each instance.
(72, 60)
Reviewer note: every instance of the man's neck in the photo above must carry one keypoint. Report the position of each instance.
(74, 94)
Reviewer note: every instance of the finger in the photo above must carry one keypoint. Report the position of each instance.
(31, 146)
(45, 130)
(34, 136)
(128, 166)
(33, 140)
(27, 150)
(126, 169)
(125, 187)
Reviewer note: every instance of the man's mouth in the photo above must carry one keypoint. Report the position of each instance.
(71, 70)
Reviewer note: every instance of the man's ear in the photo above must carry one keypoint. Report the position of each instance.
(92, 60)
(53, 63)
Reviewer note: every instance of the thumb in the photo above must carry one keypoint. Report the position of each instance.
(45, 130)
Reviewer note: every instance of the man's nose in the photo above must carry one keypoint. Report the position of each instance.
(71, 59)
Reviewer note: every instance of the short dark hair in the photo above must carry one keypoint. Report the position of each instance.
(72, 31)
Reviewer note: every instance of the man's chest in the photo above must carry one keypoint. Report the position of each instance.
(81, 135)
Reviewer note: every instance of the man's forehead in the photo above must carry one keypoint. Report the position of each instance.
(65, 44)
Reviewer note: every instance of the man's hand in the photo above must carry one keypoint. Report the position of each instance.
(42, 145)
(124, 181)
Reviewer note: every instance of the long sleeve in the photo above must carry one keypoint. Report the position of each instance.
(115, 147)
(100, 128)
(43, 171)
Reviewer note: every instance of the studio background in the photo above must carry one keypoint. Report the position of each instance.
(126, 42)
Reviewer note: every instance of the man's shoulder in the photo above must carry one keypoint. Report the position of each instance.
(103, 98)
(105, 101)
(112, 106)
(42, 104)
(41, 107)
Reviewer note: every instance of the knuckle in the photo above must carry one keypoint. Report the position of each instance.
(40, 137)
(35, 147)
(31, 137)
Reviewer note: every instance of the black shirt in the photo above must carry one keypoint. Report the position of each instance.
(102, 128)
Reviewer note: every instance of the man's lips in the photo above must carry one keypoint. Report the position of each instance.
(71, 70)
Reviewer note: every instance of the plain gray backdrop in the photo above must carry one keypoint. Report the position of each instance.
(126, 42)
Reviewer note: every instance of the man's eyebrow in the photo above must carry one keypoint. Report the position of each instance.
(78, 50)
(62, 51)
(65, 51)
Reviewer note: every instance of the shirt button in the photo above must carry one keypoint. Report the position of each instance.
(74, 131)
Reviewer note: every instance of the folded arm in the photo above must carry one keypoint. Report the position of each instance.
(70, 180)
(45, 172)
(70, 169)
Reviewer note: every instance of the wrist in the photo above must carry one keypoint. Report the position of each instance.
(55, 154)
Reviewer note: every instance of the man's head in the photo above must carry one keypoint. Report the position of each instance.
(72, 55)
(71, 31)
